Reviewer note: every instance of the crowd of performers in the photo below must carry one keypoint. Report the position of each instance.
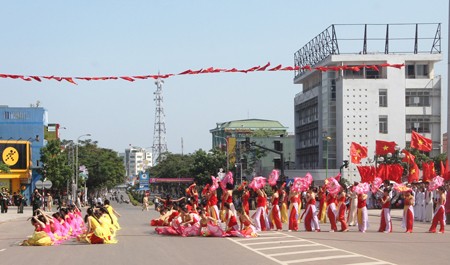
(205, 215)
(99, 226)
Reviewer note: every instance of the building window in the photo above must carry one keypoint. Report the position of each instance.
(417, 71)
(417, 98)
(383, 124)
(383, 100)
(420, 124)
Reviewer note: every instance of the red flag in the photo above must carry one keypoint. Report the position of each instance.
(413, 174)
(276, 68)
(367, 173)
(264, 67)
(70, 80)
(395, 172)
(382, 171)
(409, 158)
(384, 147)
(420, 142)
(36, 78)
(357, 152)
(127, 78)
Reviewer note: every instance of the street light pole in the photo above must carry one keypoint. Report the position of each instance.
(76, 163)
(327, 139)
(226, 144)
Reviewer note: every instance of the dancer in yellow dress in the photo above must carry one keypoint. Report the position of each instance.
(114, 214)
(40, 236)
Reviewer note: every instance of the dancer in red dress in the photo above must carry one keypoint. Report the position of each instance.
(408, 212)
(275, 213)
(311, 219)
(294, 198)
(260, 214)
(439, 213)
(230, 220)
(385, 222)
(245, 198)
(332, 211)
(342, 210)
(362, 213)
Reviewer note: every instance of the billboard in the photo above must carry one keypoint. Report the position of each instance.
(143, 181)
(16, 155)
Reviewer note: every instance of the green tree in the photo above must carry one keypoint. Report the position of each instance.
(106, 169)
(4, 168)
(204, 164)
(55, 167)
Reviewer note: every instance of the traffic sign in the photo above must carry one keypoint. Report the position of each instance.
(43, 185)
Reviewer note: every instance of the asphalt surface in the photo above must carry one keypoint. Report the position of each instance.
(138, 243)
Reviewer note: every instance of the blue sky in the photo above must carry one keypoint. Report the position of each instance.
(121, 38)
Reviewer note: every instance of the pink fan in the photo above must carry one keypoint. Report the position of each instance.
(376, 184)
(257, 183)
(215, 183)
(308, 179)
(362, 188)
(227, 179)
(273, 177)
(296, 185)
(435, 183)
(332, 186)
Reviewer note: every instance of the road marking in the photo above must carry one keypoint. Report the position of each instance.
(369, 263)
(272, 242)
(322, 258)
(290, 246)
(259, 238)
(273, 236)
(2, 249)
(301, 252)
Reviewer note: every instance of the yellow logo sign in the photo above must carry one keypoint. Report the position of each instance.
(10, 156)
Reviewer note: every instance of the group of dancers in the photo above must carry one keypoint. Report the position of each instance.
(333, 202)
(99, 226)
(191, 217)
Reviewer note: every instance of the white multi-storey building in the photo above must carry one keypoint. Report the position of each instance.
(136, 159)
(339, 105)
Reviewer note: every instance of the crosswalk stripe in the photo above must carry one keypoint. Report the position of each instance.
(273, 242)
(262, 238)
(321, 258)
(369, 263)
(302, 252)
(288, 246)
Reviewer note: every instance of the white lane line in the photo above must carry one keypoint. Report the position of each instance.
(288, 246)
(374, 261)
(262, 238)
(323, 258)
(301, 252)
(353, 253)
(273, 242)
(369, 263)
(2, 249)
(257, 252)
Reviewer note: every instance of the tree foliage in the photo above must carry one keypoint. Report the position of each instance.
(4, 168)
(55, 164)
(106, 168)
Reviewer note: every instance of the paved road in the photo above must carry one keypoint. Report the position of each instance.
(139, 244)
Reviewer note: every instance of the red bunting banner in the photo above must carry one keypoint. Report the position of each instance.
(355, 68)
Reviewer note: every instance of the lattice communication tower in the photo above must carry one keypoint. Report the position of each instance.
(159, 134)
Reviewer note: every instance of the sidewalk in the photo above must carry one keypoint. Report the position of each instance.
(13, 215)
